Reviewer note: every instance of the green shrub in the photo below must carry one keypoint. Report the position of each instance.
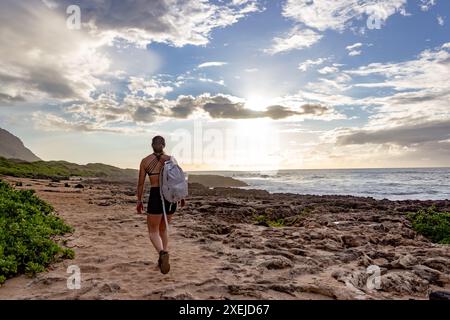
(263, 219)
(27, 231)
(276, 223)
(432, 224)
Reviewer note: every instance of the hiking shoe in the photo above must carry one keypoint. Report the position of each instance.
(163, 262)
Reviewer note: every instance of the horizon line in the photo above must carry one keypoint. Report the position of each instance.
(242, 170)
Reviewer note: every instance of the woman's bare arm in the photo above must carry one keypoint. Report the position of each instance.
(141, 182)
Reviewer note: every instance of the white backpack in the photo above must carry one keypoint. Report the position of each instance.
(173, 184)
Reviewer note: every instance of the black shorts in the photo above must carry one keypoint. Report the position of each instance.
(155, 204)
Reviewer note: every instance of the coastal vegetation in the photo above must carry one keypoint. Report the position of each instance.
(61, 170)
(28, 233)
(432, 224)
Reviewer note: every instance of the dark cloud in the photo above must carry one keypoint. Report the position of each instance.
(429, 154)
(281, 112)
(278, 112)
(222, 107)
(436, 152)
(52, 82)
(412, 98)
(177, 22)
(9, 99)
(40, 57)
(119, 14)
(315, 109)
(404, 135)
(217, 107)
(107, 109)
(144, 114)
(183, 108)
(47, 80)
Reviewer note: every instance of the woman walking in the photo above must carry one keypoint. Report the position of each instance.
(151, 166)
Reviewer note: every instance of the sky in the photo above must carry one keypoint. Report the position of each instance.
(230, 84)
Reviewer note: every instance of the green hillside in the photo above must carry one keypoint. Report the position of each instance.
(61, 170)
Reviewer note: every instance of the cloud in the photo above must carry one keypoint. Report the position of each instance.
(74, 64)
(407, 125)
(176, 22)
(413, 115)
(184, 107)
(6, 98)
(354, 53)
(338, 15)
(303, 66)
(314, 109)
(440, 20)
(145, 114)
(419, 90)
(328, 70)
(222, 107)
(197, 80)
(51, 122)
(354, 46)
(36, 66)
(320, 15)
(431, 70)
(219, 82)
(404, 135)
(212, 64)
(108, 113)
(250, 70)
(149, 87)
(296, 38)
(228, 107)
(353, 49)
(281, 112)
(105, 109)
(425, 5)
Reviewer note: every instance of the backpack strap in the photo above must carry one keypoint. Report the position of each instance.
(158, 159)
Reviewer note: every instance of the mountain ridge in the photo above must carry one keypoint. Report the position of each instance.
(12, 147)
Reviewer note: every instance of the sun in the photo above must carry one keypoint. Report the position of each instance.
(257, 102)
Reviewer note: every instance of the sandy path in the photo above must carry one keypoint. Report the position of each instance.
(114, 254)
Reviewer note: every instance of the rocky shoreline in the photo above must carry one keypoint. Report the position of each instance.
(231, 243)
(334, 237)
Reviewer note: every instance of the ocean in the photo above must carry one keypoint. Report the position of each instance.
(392, 184)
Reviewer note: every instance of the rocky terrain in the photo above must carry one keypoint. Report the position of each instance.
(229, 243)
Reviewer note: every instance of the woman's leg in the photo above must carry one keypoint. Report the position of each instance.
(153, 222)
(163, 231)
